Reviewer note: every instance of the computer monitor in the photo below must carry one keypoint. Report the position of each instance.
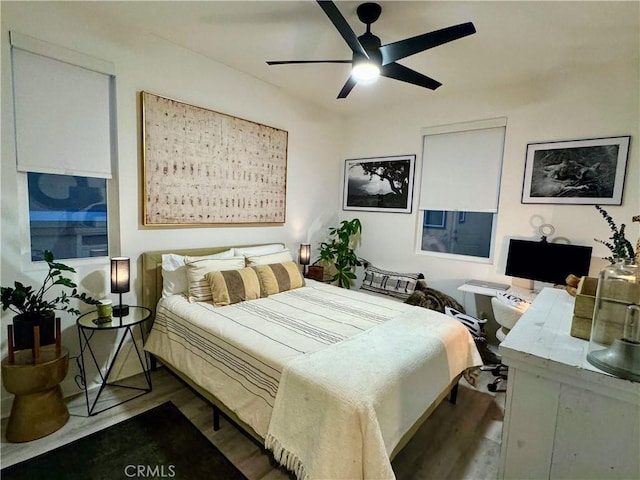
(547, 262)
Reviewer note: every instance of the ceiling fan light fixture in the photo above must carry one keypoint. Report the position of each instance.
(365, 72)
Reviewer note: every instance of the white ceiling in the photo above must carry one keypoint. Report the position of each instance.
(515, 41)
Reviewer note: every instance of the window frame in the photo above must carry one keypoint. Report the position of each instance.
(419, 230)
(79, 59)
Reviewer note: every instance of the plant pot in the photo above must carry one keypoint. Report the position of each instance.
(23, 329)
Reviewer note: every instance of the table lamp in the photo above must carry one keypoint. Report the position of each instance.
(304, 257)
(120, 283)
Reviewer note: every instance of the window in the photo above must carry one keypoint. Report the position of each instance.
(461, 168)
(457, 233)
(64, 134)
(67, 215)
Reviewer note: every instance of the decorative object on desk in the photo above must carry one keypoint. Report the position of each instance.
(619, 245)
(382, 184)
(36, 307)
(583, 307)
(339, 251)
(614, 344)
(120, 283)
(572, 283)
(304, 256)
(578, 172)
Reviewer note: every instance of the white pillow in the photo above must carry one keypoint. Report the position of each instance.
(174, 271)
(259, 250)
(269, 258)
(199, 288)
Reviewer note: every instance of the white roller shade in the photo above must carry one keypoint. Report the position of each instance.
(461, 169)
(62, 116)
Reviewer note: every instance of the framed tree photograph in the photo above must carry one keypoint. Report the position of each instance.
(578, 172)
(380, 184)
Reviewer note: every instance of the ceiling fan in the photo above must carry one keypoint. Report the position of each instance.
(371, 58)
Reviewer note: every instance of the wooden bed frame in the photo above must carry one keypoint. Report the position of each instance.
(152, 292)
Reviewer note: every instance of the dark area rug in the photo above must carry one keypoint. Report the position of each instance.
(159, 443)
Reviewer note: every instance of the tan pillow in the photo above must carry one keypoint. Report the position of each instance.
(199, 289)
(279, 277)
(233, 286)
(276, 257)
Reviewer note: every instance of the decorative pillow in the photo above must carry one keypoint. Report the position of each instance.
(265, 259)
(259, 250)
(174, 271)
(199, 289)
(399, 285)
(279, 277)
(473, 324)
(432, 299)
(233, 286)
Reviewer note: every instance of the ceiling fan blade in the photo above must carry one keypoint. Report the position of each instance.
(343, 27)
(285, 62)
(409, 46)
(348, 86)
(404, 74)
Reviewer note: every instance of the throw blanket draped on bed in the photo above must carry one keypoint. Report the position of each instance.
(339, 412)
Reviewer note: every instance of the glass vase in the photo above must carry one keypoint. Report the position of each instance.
(614, 344)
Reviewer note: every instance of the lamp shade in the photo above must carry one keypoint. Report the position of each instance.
(119, 274)
(304, 256)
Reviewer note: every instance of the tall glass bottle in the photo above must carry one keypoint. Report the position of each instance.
(614, 345)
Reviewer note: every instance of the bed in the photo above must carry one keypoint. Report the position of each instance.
(333, 382)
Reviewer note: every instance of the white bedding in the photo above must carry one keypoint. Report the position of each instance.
(238, 352)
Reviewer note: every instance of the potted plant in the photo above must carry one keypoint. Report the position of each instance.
(339, 251)
(32, 308)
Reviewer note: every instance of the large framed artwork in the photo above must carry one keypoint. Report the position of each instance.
(379, 184)
(202, 167)
(578, 172)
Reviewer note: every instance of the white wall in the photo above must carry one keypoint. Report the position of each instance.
(145, 62)
(565, 105)
(568, 104)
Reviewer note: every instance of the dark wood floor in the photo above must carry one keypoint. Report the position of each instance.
(459, 441)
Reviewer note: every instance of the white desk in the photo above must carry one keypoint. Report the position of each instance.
(523, 293)
(564, 418)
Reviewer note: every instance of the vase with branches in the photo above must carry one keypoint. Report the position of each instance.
(618, 244)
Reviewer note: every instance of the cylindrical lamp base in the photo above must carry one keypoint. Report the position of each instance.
(120, 310)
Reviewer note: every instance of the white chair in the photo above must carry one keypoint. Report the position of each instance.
(507, 311)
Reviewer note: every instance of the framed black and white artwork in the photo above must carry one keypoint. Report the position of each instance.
(578, 172)
(379, 184)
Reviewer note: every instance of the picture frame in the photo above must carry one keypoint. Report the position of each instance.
(379, 184)
(434, 219)
(201, 167)
(576, 172)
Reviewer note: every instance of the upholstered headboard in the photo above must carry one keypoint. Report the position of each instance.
(152, 271)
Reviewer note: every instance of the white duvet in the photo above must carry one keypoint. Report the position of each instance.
(239, 352)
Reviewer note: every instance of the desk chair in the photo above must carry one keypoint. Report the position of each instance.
(507, 310)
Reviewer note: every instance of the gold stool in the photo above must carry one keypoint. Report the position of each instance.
(38, 407)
